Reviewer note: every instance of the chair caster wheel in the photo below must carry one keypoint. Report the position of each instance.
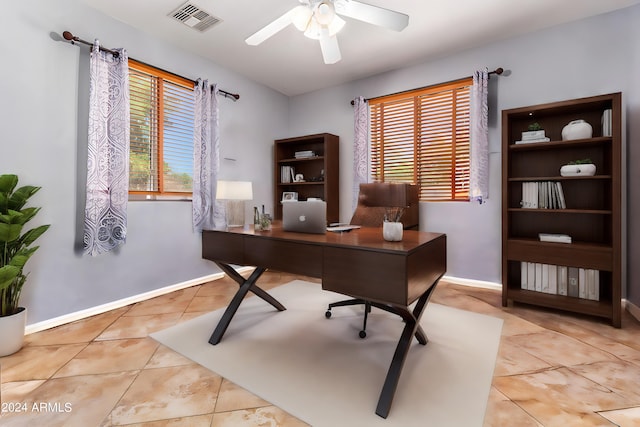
(327, 314)
(362, 334)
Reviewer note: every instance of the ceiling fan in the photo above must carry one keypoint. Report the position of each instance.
(319, 20)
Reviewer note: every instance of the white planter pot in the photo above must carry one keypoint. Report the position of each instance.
(12, 332)
(577, 129)
(588, 169)
(392, 231)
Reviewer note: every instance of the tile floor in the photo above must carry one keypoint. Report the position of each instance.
(553, 369)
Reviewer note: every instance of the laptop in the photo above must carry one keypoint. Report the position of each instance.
(305, 217)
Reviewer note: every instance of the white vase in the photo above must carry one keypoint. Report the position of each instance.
(12, 332)
(587, 169)
(392, 231)
(577, 129)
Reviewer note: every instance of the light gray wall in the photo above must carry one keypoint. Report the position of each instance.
(43, 115)
(633, 159)
(584, 58)
(43, 104)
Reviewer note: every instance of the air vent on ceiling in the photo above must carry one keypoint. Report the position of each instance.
(194, 17)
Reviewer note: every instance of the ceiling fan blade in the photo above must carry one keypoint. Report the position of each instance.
(329, 47)
(372, 14)
(270, 29)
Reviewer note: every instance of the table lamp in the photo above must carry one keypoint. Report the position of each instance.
(234, 193)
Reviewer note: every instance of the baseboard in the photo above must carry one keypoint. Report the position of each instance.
(633, 309)
(82, 314)
(473, 283)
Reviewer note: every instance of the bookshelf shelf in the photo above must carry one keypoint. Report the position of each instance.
(557, 178)
(306, 159)
(592, 216)
(562, 144)
(561, 211)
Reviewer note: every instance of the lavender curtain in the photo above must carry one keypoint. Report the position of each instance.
(479, 147)
(208, 214)
(360, 146)
(105, 225)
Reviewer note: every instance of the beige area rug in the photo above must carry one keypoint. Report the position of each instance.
(320, 371)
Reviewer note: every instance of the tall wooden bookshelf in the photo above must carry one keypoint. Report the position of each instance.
(321, 171)
(592, 216)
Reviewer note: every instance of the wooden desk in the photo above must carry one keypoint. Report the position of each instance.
(392, 275)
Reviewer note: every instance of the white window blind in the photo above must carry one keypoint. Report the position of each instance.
(161, 156)
(422, 137)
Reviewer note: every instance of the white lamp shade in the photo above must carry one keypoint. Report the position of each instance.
(234, 190)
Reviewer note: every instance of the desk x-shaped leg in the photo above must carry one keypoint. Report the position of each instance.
(246, 285)
(411, 328)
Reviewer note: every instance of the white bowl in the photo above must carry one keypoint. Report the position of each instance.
(587, 169)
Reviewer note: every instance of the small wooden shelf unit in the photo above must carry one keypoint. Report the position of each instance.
(321, 172)
(593, 203)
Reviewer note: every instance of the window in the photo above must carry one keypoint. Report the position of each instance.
(422, 136)
(161, 152)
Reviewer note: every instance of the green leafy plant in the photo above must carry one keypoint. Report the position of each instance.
(534, 126)
(15, 245)
(580, 162)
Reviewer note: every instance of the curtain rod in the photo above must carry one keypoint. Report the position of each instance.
(497, 71)
(71, 38)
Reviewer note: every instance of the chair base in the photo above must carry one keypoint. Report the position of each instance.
(367, 310)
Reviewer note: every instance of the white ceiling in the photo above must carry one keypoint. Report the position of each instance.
(292, 64)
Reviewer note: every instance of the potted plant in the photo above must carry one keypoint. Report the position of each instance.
(582, 167)
(15, 251)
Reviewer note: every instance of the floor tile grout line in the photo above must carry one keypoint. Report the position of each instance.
(592, 331)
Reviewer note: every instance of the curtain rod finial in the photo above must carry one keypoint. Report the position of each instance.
(68, 36)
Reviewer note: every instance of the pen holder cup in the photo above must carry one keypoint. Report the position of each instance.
(392, 231)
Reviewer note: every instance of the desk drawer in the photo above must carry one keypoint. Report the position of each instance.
(287, 256)
(376, 276)
(222, 246)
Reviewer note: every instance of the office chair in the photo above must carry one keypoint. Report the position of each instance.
(373, 201)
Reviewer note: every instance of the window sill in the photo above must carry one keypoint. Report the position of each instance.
(159, 197)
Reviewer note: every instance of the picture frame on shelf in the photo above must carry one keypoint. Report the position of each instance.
(289, 196)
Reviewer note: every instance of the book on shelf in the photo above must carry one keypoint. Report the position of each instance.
(529, 141)
(606, 122)
(573, 282)
(304, 154)
(533, 134)
(560, 280)
(542, 195)
(287, 174)
(554, 237)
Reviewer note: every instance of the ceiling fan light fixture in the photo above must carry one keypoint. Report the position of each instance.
(301, 17)
(324, 13)
(314, 29)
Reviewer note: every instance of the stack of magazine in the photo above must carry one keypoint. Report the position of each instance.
(556, 238)
(304, 154)
(542, 195)
(533, 136)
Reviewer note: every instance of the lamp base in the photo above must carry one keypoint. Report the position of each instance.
(235, 213)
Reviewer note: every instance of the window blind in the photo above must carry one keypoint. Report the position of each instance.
(161, 149)
(422, 137)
